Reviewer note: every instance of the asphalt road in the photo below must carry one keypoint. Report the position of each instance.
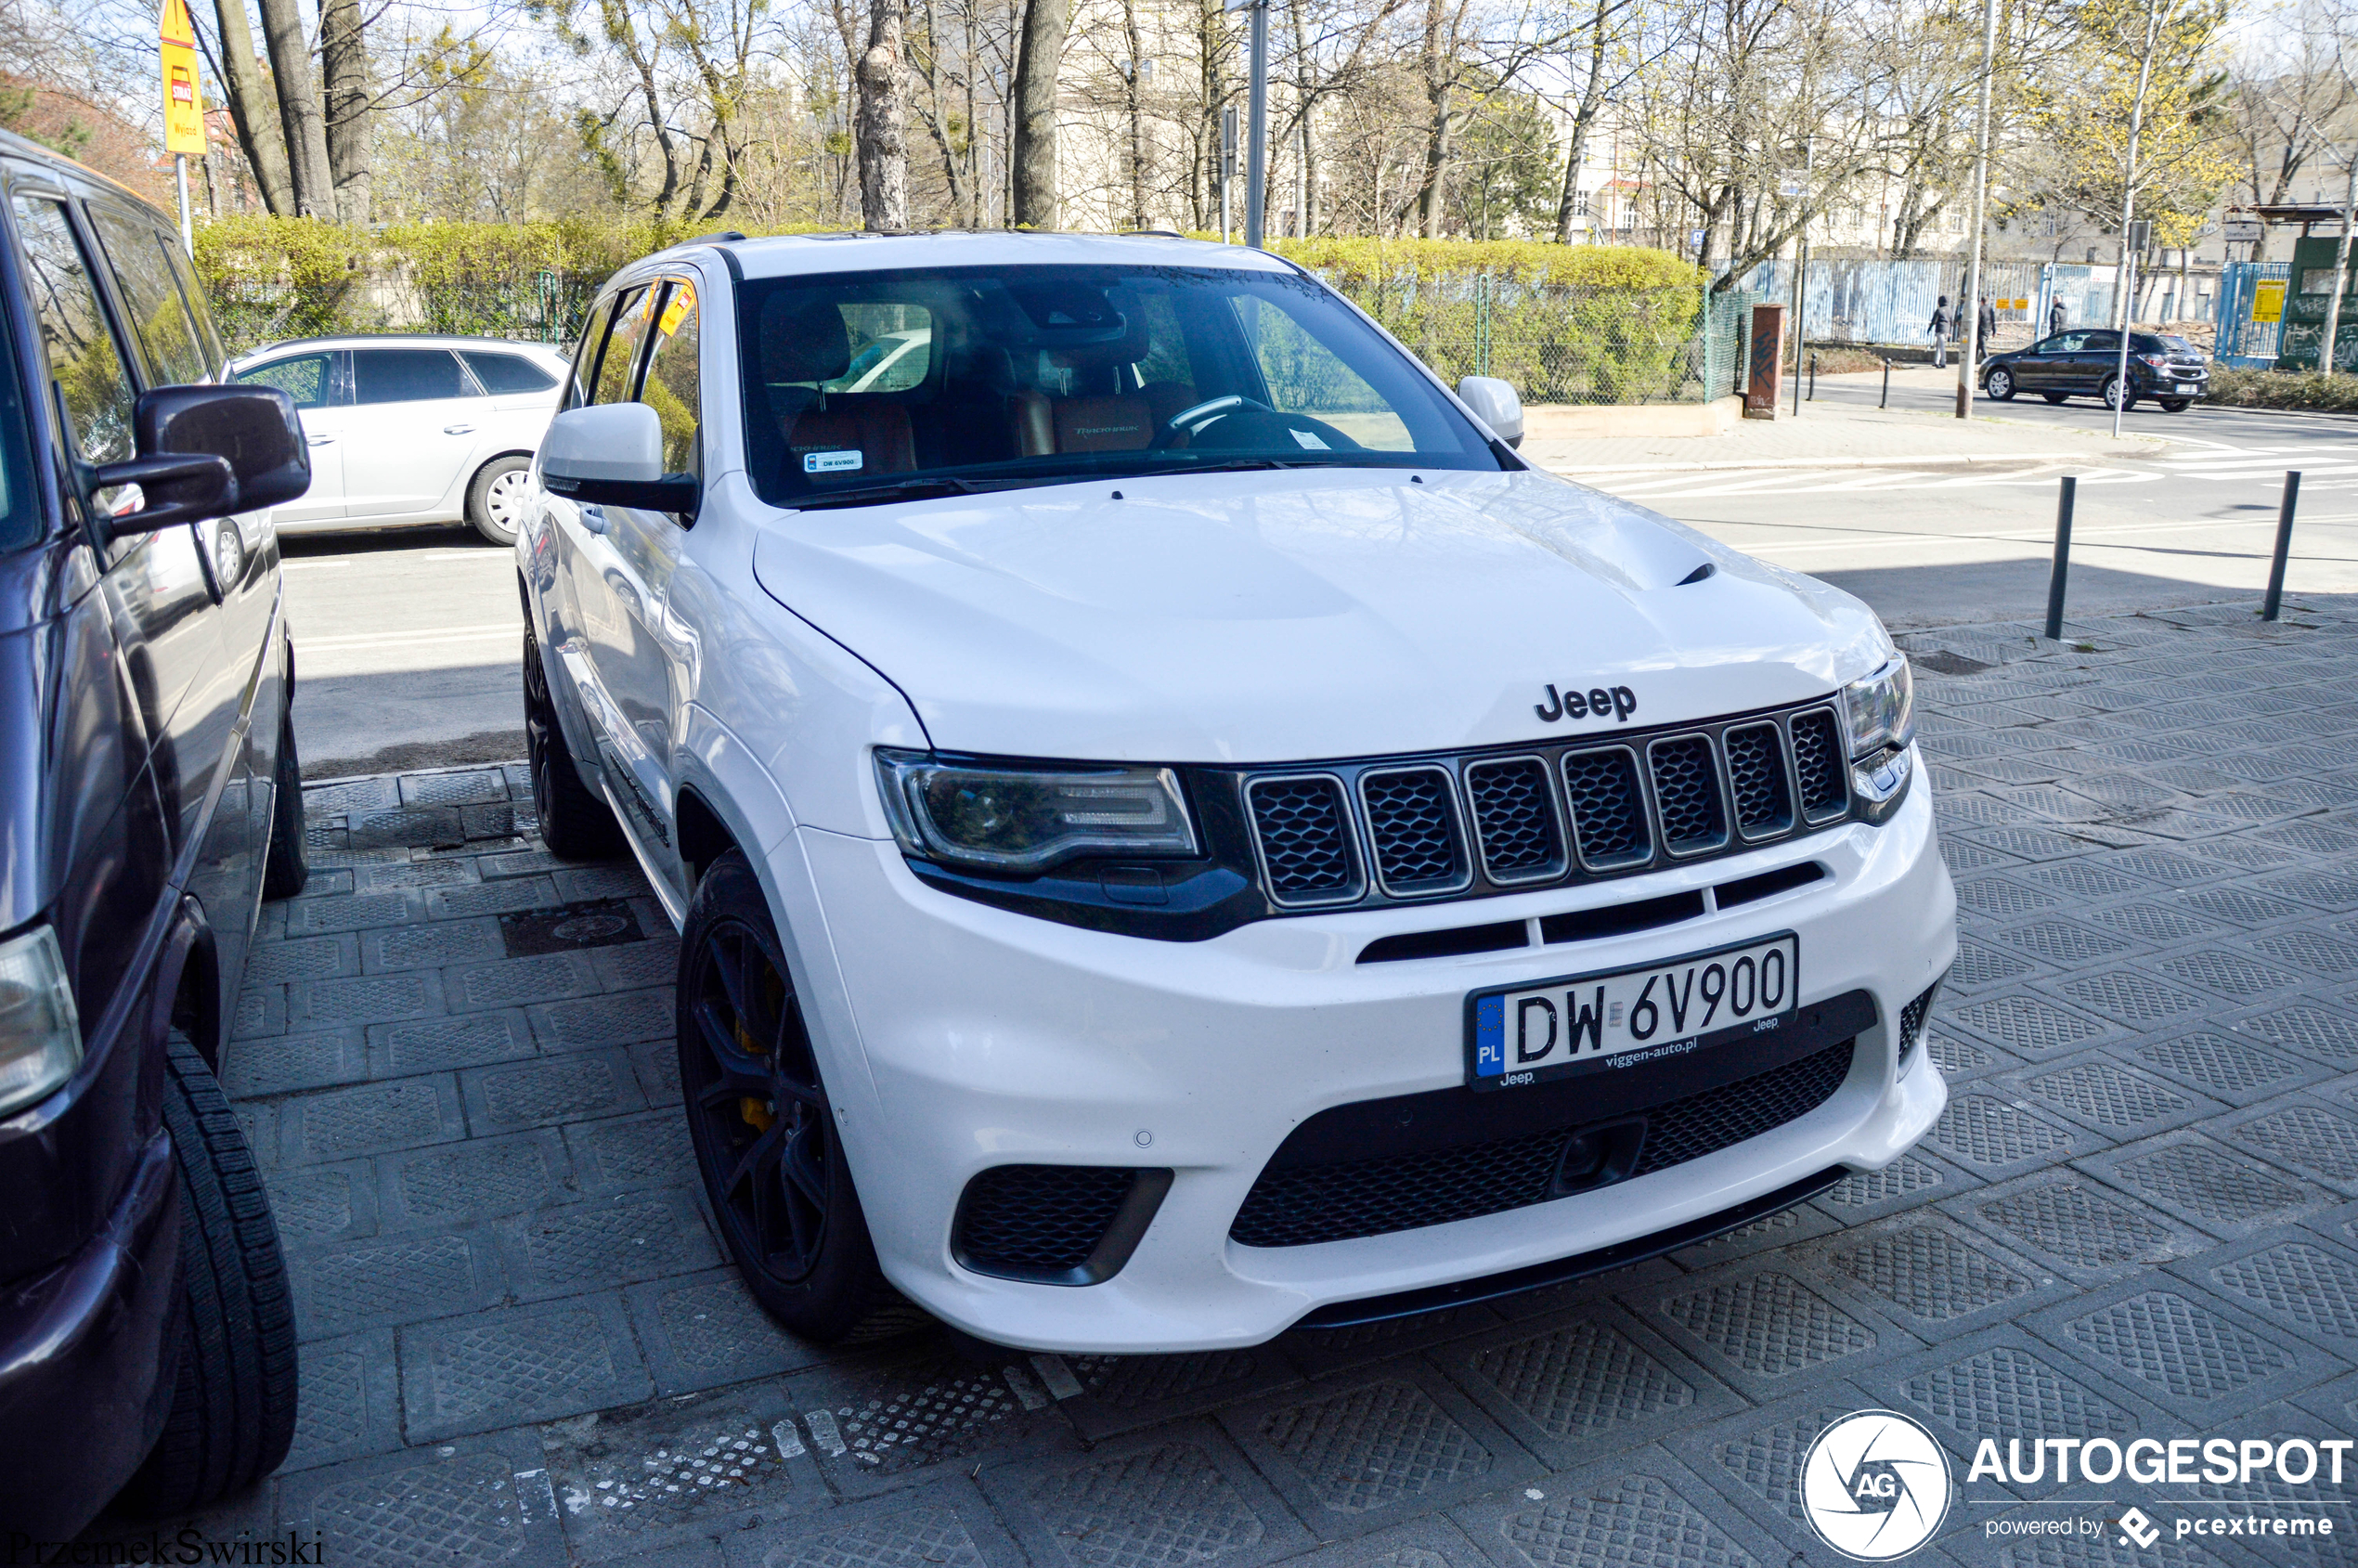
(1944, 542)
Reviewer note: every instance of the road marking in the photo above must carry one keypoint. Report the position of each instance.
(438, 634)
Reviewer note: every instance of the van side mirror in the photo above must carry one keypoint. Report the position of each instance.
(207, 451)
(1496, 405)
(611, 454)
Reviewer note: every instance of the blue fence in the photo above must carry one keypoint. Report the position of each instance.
(2241, 342)
(1863, 300)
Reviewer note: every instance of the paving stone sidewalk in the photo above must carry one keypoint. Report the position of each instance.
(2140, 1216)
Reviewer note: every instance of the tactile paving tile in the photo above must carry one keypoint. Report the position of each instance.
(434, 1045)
(1582, 1377)
(553, 1090)
(1642, 1523)
(1980, 965)
(715, 1325)
(2245, 853)
(2165, 866)
(486, 1178)
(2228, 973)
(1988, 1130)
(371, 1116)
(310, 1205)
(365, 998)
(2315, 888)
(1165, 1506)
(2298, 1280)
(2027, 1023)
(2086, 879)
(1369, 1447)
(352, 913)
(2314, 839)
(1955, 1056)
(2227, 1066)
(635, 1151)
(599, 1244)
(1931, 1274)
(1961, 856)
(1766, 1460)
(2307, 1136)
(2060, 941)
(1131, 1381)
(608, 1020)
(408, 1279)
(2005, 1389)
(331, 1411)
(497, 1370)
(2029, 843)
(2176, 1345)
(1770, 1324)
(624, 1485)
(452, 789)
(919, 1537)
(2331, 1035)
(2064, 1219)
(431, 946)
(307, 959)
(2102, 1094)
(1899, 1179)
(2001, 898)
(1974, 811)
(935, 1412)
(2208, 1185)
(2130, 996)
(2239, 907)
(2309, 950)
(2153, 923)
(461, 1509)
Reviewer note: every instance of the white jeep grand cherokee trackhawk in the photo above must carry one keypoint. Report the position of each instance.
(1177, 831)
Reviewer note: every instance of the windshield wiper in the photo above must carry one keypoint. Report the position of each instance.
(904, 490)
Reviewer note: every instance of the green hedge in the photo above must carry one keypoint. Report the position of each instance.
(2284, 389)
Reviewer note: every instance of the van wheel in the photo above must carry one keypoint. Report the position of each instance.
(495, 502)
(773, 1163)
(575, 824)
(233, 1406)
(285, 870)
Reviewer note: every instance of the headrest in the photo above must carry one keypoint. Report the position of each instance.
(802, 339)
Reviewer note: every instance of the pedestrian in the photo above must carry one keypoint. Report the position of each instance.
(1941, 323)
(1986, 320)
(2056, 315)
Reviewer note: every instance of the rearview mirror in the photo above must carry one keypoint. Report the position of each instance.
(207, 451)
(1496, 405)
(612, 454)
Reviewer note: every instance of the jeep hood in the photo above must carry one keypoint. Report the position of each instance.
(1273, 617)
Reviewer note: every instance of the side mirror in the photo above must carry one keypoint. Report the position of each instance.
(1496, 405)
(611, 454)
(207, 451)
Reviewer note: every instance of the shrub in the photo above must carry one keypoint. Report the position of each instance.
(2284, 389)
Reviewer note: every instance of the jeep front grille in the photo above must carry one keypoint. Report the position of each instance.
(1387, 830)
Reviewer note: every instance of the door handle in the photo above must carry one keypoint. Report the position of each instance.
(321, 440)
(457, 429)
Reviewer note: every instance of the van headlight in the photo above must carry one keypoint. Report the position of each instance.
(40, 1033)
(1879, 713)
(1027, 817)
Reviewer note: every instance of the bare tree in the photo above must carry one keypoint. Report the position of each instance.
(1033, 154)
(883, 131)
(344, 59)
(252, 113)
(299, 108)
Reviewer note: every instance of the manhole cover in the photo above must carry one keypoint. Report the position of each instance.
(606, 923)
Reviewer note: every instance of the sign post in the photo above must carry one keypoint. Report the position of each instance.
(183, 104)
(1257, 119)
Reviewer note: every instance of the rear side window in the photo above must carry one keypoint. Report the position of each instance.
(83, 362)
(504, 373)
(672, 388)
(585, 355)
(199, 306)
(307, 378)
(159, 318)
(19, 502)
(407, 375)
(622, 348)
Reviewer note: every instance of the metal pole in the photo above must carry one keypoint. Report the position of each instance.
(1885, 403)
(2128, 206)
(1813, 378)
(2276, 600)
(2063, 557)
(1975, 347)
(1227, 166)
(1257, 131)
(187, 228)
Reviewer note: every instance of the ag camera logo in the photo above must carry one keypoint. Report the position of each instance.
(1875, 1486)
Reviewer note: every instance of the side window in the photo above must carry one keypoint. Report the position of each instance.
(671, 385)
(2065, 342)
(622, 346)
(2101, 342)
(83, 361)
(407, 375)
(199, 306)
(307, 378)
(585, 355)
(504, 374)
(159, 318)
(892, 348)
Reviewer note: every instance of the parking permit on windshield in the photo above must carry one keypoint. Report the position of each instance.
(832, 462)
(1627, 1017)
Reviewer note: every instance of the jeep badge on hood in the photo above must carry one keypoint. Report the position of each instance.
(1620, 702)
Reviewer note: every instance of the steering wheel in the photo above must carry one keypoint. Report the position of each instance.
(1177, 424)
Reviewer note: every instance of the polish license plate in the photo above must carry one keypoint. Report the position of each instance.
(1627, 1017)
(2190, 386)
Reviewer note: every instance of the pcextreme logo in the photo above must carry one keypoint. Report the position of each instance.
(1875, 1486)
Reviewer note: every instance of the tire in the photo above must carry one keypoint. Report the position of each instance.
(774, 1168)
(575, 824)
(1999, 384)
(233, 1404)
(2175, 405)
(2109, 395)
(496, 494)
(285, 869)
(2057, 397)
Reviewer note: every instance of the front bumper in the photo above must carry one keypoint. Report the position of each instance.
(960, 1037)
(85, 1359)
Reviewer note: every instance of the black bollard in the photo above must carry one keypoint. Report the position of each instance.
(1887, 385)
(2063, 557)
(2276, 600)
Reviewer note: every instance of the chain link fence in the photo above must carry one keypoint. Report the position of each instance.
(540, 305)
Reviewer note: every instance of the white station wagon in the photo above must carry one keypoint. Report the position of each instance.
(1178, 832)
(410, 429)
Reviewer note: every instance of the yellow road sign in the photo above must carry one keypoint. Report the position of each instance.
(183, 99)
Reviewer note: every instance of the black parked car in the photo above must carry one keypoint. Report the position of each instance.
(2086, 361)
(149, 800)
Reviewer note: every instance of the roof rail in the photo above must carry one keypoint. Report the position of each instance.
(721, 238)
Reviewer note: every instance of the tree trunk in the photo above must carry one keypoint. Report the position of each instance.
(299, 112)
(1037, 63)
(1431, 194)
(251, 112)
(1136, 111)
(1592, 92)
(344, 59)
(881, 133)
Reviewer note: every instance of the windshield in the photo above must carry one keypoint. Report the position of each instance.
(868, 386)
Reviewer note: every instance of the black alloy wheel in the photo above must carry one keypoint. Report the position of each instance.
(2057, 397)
(2175, 405)
(2000, 384)
(765, 1134)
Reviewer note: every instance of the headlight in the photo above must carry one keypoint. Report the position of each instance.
(1880, 713)
(40, 1035)
(1027, 817)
